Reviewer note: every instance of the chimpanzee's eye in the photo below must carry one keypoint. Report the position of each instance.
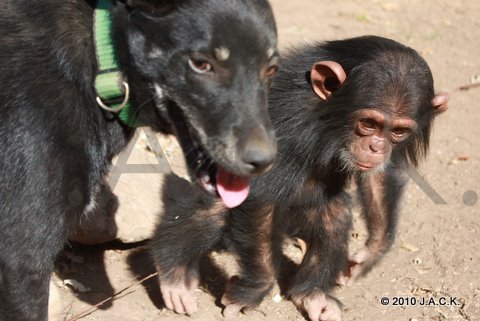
(368, 123)
(400, 132)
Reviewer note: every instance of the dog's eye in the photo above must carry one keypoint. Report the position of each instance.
(271, 71)
(200, 66)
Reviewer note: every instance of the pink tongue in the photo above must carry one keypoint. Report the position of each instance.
(232, 189)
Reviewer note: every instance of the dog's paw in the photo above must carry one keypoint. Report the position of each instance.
(319, 307)
(180, 297)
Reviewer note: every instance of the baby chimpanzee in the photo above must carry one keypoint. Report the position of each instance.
(357, 109)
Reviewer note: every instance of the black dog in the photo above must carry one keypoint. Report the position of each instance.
(199, 69)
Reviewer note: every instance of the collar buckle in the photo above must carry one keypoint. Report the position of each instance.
(112, 91)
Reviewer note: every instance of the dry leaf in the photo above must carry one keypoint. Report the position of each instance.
(410, 247)
(463, 157)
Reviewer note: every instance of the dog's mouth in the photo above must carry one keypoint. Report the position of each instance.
(212, 178)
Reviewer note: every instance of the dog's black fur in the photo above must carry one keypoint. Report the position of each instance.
(56, 144)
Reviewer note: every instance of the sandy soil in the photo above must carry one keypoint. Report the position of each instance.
(436, 254)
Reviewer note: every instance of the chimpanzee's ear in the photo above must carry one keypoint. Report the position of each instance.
(153, 7)
(440, 102)
(326, 77)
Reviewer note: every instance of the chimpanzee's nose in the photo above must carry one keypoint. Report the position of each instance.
(377, 145)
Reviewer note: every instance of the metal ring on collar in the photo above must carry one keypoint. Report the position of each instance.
(122, 104)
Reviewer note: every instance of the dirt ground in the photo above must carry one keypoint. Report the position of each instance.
(436, 254)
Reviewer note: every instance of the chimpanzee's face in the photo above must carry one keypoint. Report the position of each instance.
(376, 135)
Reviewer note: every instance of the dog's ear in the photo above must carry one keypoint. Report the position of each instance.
(154, 7)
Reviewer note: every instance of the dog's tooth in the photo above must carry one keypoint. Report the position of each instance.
(206, 178)
(210, 188)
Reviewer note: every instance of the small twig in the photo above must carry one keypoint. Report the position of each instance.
(469, 86)
(70, 306)
(464, 314)
(96, 306)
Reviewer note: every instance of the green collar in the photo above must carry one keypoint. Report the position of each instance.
(112, 89)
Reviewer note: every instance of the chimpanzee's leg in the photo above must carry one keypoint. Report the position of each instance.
(325, 232)
(257, 242)
(380, 196)
(191, 225)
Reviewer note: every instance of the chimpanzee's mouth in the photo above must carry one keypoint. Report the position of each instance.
(211, 177)
(364, 166)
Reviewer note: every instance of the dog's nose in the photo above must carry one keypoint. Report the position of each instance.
(259, 151)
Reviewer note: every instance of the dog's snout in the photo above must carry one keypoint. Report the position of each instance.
(259, 151)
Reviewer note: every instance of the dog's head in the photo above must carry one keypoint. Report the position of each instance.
(209, 64)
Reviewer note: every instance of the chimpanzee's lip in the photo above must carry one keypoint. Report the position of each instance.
(364, 166)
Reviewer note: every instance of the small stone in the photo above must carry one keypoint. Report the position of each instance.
(277, 298)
